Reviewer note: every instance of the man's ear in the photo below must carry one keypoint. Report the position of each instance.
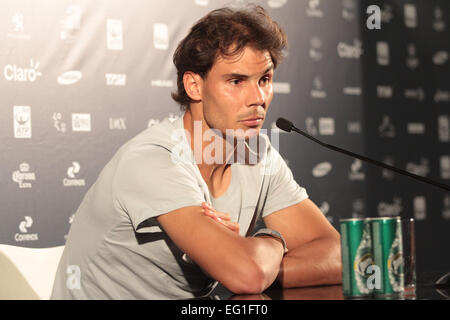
(193, 85)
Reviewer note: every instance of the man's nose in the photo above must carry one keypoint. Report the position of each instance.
(256, 96)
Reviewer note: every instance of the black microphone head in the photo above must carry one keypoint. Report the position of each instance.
(284, 124)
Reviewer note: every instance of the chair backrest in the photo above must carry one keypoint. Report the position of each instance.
(28, 273)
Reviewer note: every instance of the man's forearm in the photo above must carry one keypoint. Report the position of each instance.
(315, 263)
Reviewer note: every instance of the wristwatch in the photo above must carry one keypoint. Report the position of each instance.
(272, 233)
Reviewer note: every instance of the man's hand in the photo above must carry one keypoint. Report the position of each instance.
(223, 218)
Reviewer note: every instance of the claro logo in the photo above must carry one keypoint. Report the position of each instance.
(13, 72)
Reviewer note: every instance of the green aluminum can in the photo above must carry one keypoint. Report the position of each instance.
(356, 253)
(388, 255)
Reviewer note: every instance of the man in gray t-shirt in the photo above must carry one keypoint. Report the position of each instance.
(173, 211)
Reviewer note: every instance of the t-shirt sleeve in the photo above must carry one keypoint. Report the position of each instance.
(283, 191)
(148, 183)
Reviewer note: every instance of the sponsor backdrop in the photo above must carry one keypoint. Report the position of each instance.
(79, 78)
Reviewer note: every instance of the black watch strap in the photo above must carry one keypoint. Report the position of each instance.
(272, 233)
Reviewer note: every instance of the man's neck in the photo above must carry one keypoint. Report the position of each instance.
(211, 161)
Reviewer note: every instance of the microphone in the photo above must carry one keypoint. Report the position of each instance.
(288, 126)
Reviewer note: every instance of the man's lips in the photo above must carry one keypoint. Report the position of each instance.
(251, 122)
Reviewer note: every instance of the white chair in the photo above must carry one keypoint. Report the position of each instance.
(27, 273)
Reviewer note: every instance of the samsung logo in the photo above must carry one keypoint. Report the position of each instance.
(322, 169)
(276, 3)
(70, 77)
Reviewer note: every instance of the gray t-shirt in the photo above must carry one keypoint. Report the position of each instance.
(116, 249)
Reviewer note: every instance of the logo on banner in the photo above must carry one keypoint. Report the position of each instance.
(69, 77)
(326, 126)
(446, 207)
(81, 122)
(442, 96)
(410, 14)
(350, 51)
(313, 9)
(161, 36)
(355, 173)
(114, 34)
(18, 31)
(417, 94)
(387, 13)
(386, 128)
(438, 22)
(315, 49)
(386, 209)
(444, 128)
(383, 57)
(416, 128)
(14, 73)
(311, 128)
(349, 11)
(72, 173)
(352, 91)
(70, 23)
(23, 176)
(317, 92)
(322, 169)
(420, 169)
(440, 57)
(201, 3)
(358, 207)
(412, 61)
(24, 225)
(420, 208)
(162, 83)
(445, 167)
(354, 127)
(385, 92)
(276, 3)
(22, 122)
(116, 79)
(388, 174)
(117, 124)
(57, 122)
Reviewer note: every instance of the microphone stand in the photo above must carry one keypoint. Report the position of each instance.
(286, 125)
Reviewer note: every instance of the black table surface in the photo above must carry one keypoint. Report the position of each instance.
(425, 290)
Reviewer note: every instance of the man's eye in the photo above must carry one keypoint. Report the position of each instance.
(265, 80)
(235, 81)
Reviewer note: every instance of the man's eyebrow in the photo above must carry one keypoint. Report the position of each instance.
(245, 76)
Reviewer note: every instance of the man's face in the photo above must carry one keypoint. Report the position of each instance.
(237, 92)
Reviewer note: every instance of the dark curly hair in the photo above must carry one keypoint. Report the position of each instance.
(225, 32)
